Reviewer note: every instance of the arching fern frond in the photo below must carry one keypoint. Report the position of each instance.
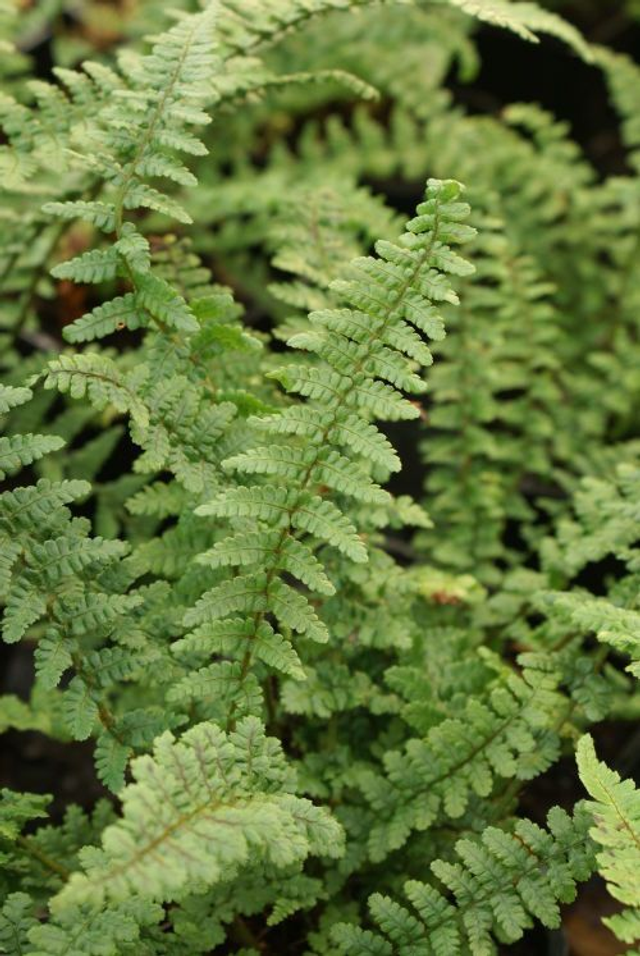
(246, 26)
(148, 120)
(525, 19)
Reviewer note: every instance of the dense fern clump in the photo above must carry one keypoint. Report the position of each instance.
(313, 704)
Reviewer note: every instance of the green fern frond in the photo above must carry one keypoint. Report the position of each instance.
(500, 882)
(29, 508)
(220, 551)
(97, 377)
(389, 294)
(81, 931)
(16, 809)
(11, 397)
(120, 313)
(18, 451)
(16, 919)
(615, 812)
(622, 75)
(220, 803)
(509, 734)
(246, 28)
(525, 19)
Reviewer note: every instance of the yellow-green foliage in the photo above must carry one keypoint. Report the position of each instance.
(304, 694)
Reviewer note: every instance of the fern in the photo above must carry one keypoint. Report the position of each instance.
(499, 883)
(604, 524)
(512, 733)
(615, 810)
(215, 801)
(525, 19)
(245, 28)
(486, 447)
(303, 692)
(49, 575)
(16, 919)
(390, 295)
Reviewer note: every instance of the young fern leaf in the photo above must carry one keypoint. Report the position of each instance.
(357, 378)
(615, 811)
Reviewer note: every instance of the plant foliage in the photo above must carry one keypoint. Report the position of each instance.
(307, 696)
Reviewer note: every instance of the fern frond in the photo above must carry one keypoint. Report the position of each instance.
(97, 377)
(16, 919)
(603, 523)
(251, 548)
(11, 397)
(242, 562)
(615, 812)
(201, 808)
(86, 931)
(343, 393)
(622, 76)
(495, 389)
(617, 626)
(217, 688)
(30, 508)
(16, 809)
(18, 451)
(525, 19)
(244, 29)
(99, 214)
(120, 313)
(97, 265)
(500, 881)
(508, 734)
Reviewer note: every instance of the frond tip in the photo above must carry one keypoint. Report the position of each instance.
(527, 20)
